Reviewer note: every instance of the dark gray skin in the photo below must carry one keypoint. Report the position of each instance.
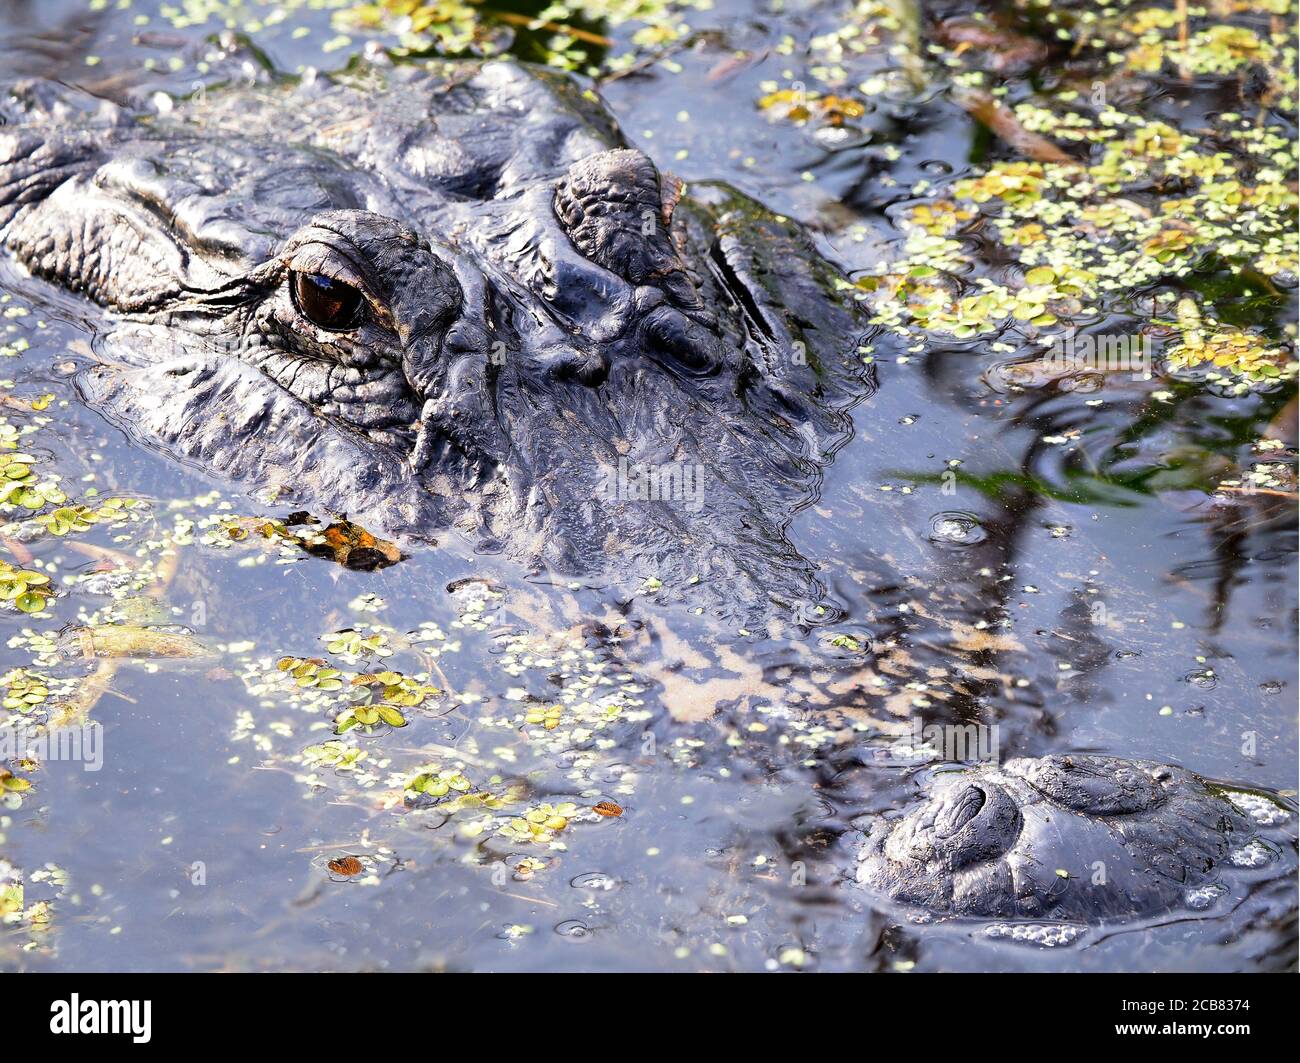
(445, 300)
(989, 842)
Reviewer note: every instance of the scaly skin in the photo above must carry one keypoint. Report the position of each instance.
(1078, 838)
(535, 304)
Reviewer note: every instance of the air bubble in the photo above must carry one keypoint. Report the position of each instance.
(1046, 935)
(573, 929)
(956, 529)
(1263, 811)
(1256, 854)
(1203, 897)
(594, 880)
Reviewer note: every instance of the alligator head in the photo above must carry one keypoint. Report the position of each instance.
(447, 301)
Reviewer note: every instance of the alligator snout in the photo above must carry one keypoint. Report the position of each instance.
(1080, 837)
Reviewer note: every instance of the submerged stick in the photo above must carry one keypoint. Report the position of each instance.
(1000, 121)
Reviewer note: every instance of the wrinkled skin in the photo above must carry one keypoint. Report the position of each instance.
(990, 842)
(445, 300)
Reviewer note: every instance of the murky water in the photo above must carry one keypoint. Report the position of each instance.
(1056, 558)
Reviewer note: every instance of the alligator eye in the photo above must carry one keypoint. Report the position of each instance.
(330, 304)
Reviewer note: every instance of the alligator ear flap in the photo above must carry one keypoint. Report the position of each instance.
(615, 212)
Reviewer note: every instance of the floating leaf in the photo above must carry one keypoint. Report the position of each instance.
(547, 716)
(28, 590)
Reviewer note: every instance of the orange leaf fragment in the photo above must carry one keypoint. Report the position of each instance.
(346, 865)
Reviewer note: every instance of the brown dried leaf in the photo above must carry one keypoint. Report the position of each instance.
(346, 866)
(353, 547)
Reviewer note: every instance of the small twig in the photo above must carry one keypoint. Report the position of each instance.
(19, 550)
(102, 553)
(77, 708)
(523, 897)
(528, 22)
(646, 63)
(432, 663)
(95, 686)
(1181, 8)
(1260, 491)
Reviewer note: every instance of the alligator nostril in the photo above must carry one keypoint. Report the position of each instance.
(959, 811)
(465, 337)
(691, 345)
(586, 367)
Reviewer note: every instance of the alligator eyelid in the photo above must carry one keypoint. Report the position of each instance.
(328, 262)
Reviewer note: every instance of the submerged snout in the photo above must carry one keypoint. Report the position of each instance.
(967, 822)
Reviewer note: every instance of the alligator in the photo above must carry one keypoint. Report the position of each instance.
(1076, 838)
(442, 298)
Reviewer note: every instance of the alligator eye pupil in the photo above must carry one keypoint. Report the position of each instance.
(330, 304)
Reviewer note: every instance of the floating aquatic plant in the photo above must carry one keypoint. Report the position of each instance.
(351, 644)
(563, 34)
(393, 688)
(440, 783)
(1079, 238)
(19, 485)
(540, 823)
(24, 690)
(332, 754)
(13, 784)
(78, 518)
(451, 790)
(311, 672)
(28, 591)
(368, 716)
(347, 866)
(547, 716)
